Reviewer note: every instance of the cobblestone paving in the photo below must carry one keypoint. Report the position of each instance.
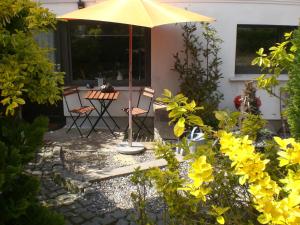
(91, 207)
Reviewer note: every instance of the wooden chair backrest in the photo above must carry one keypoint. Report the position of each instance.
(148, 92)
(70, 90)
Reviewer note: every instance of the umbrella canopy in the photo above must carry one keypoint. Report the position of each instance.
(145, 13)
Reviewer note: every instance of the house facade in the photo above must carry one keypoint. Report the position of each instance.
(243, 25)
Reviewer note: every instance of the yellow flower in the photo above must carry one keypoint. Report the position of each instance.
(265, 192)
(290, 153)
(200, 192)
(201, 174)
(201, 171)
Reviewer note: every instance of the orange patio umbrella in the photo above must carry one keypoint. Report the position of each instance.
(145, 13)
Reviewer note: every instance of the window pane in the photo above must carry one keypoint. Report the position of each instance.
(46, 40)
(101, 49)
(250, 38)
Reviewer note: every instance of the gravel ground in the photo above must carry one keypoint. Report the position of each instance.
(116, 192)
(107, 195)
(101, 200)
(96, 152)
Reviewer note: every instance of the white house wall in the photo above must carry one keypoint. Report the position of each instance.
(166, 40)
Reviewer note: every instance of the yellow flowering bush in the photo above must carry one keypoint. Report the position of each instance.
(266, 193)
(290, 151)
(229, 180)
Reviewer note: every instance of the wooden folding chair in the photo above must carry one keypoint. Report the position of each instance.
(140, 114)
(77, 112)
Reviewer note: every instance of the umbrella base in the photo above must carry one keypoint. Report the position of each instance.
(136, 148)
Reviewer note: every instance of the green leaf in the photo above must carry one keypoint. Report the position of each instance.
(171, 106)
(14, 105)
(174, 114)
(178, 131)
(221, 210)
(164, 100)
(288, 35)
(273, 48)
(182, 110)
(266, 62)
(255, 61)
(181, 122)
(220, 220)
(180, 98)
(20, 101)
(242, 180)
(221, 115)
(193, 104)
(260, 52)
(179, 127)
(167, 93)
(6, 101)
(195, 120)
(263, 219)
(293, 48)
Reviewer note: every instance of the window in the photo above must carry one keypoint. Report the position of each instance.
(47, 40)
(100, 49)
(250, 38)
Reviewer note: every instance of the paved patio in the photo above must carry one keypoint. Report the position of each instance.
(98, 152)
(88, 181)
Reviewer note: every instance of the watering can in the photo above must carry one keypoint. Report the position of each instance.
(196, 137)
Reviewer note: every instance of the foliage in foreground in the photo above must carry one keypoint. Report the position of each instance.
(18, 190)
(25, 73)
(25, 70)
(229, 181)
(284, 57)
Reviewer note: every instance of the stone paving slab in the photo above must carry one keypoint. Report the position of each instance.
(96, 175)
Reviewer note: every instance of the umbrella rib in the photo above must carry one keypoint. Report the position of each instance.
(148, 14)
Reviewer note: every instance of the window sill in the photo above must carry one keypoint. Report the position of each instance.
(250, 77)
(83, 88)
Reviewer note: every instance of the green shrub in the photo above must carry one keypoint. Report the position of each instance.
(283, 57)
(19, 142)
(25, 69)
(293, 89)
(229, 179)
(25, 73)
(198, 66)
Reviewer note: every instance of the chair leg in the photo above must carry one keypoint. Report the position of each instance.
(147, 129)
(142, 122)
(126, 129)
(91, 124)
(106, 124)
(137, 124)
(74, 123)
(87, 118)
(74, 120)
(83, 120)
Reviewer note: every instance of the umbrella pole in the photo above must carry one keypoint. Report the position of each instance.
(130, 147)
(130, 87)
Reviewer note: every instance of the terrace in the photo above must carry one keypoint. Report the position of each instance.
(88, 181)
